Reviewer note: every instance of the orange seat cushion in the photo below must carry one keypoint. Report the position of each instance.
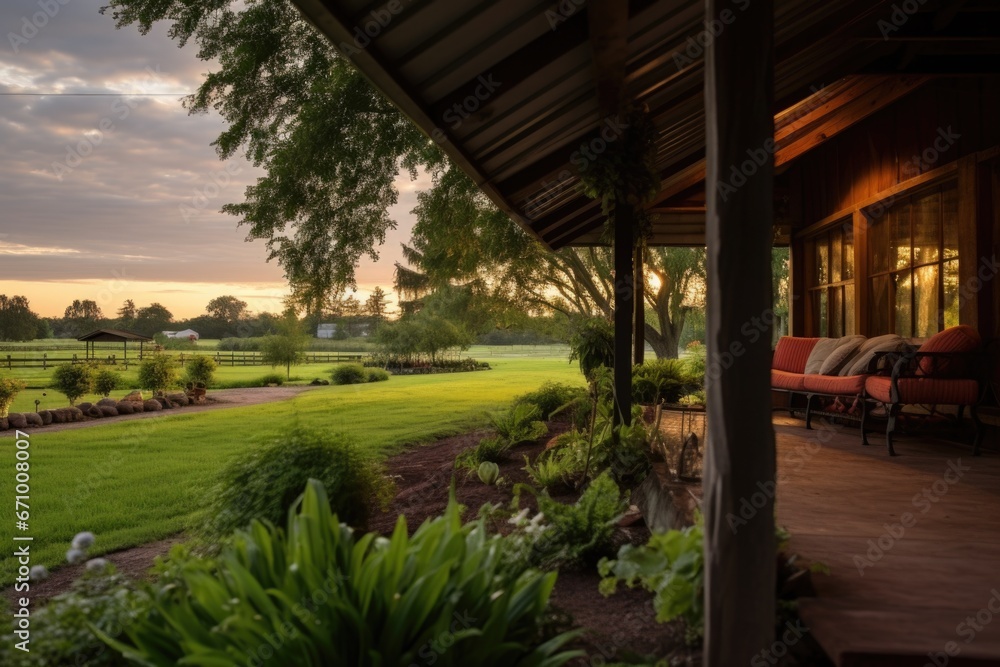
(791, 353)
(848, 385)
(962, 338)
(936, 391)
(787, 381)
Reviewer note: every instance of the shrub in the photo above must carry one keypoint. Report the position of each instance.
(696, 361)
(489, 450)
(554, 469)
(385, 599)
(106, 381)
(376, 374)
(552, 397)
(158, 372)
(61, 630)
(593, 344)
(348, 374)
(265, 483)
(577, 534)
(9, 389)
(662, 380)
(239, 344)
(200, 369)
(671, 566)
(73, 380)
(518, 425)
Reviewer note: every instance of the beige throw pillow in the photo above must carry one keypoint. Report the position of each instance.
(865, 353)
(846, 348)
(819, 354)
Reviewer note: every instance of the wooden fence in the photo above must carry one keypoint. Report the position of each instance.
(223, 358)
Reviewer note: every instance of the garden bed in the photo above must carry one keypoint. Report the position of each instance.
(615, 627)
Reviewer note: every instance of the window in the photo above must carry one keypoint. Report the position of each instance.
(831, 285)
(913, 264)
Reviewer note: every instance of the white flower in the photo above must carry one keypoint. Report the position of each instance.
(537, 519)
(38, 573)
(83, 541)
(96, 565)
(74, 556)
(519, 518)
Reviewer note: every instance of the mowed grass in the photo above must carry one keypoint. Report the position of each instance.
(133, 482)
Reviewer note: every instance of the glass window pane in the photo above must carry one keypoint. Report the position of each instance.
(902, 306)
(951, 287)
(927, 229)
(822, 262)
(836, 319)
(850, 326)
(848, 263)
(949, 218)
(925, 301)
(824, 329)
(879, 306)
(836, 256)
(899, 219)
(878, 234)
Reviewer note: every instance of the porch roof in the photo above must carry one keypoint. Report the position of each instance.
(533, 65)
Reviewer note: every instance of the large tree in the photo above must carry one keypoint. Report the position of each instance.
(329, 144)
(17, 321)
(82, 316)
(227, 309)
(153, 319)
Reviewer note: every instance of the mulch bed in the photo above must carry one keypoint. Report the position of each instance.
(619, 627)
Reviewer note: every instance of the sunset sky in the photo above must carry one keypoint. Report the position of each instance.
(117, 196)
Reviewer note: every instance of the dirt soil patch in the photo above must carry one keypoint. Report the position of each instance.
(216, 399)
(619, 627)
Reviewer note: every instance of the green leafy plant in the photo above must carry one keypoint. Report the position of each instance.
(671, 566)
(376, 374)
(264, 483)
(61, 630)
(519, 424)
(106, 381)
(73, 380)
(489, 472)
(349, 374)
(662, 380)
(269, 379)
(158, 372)
(592, 343)
(492, 449)
(327, 596)
(567, 534)
(9, 389)
(552, 398)
(200, 369)
(554, 469)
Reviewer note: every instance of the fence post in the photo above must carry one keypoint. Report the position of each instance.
(8, 362)
(45, 361)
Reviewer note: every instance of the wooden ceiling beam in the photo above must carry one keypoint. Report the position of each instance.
(607, 21)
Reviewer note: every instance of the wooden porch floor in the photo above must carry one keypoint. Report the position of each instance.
(896, 602)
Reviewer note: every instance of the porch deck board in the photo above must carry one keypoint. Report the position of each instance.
(910, 600)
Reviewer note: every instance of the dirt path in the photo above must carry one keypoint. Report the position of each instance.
(217, 399)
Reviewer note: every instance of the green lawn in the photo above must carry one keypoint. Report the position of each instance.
(139, 481)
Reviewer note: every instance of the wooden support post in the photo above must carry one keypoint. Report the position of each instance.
(740, 460)
(639, 308)
(624, 296)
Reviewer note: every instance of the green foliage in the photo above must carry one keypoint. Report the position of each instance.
(287, 346)
(200, 369)
(9, 389)
(73, 380)
(493, 449)
(17, 321)
(577, 534)
(422, 335)
(489, 472)
(376, 374)
(554, 469)
(696, 361)
(671, 566)
(349, 374)
(662, 380)
(330, 597)
(269, 379)
(158, 372)
(519, 424)
(106, 381)
(61, 629)
(264, 483)
(593, 344)
(552, 398)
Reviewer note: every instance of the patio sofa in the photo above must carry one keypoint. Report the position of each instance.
(843, 377)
